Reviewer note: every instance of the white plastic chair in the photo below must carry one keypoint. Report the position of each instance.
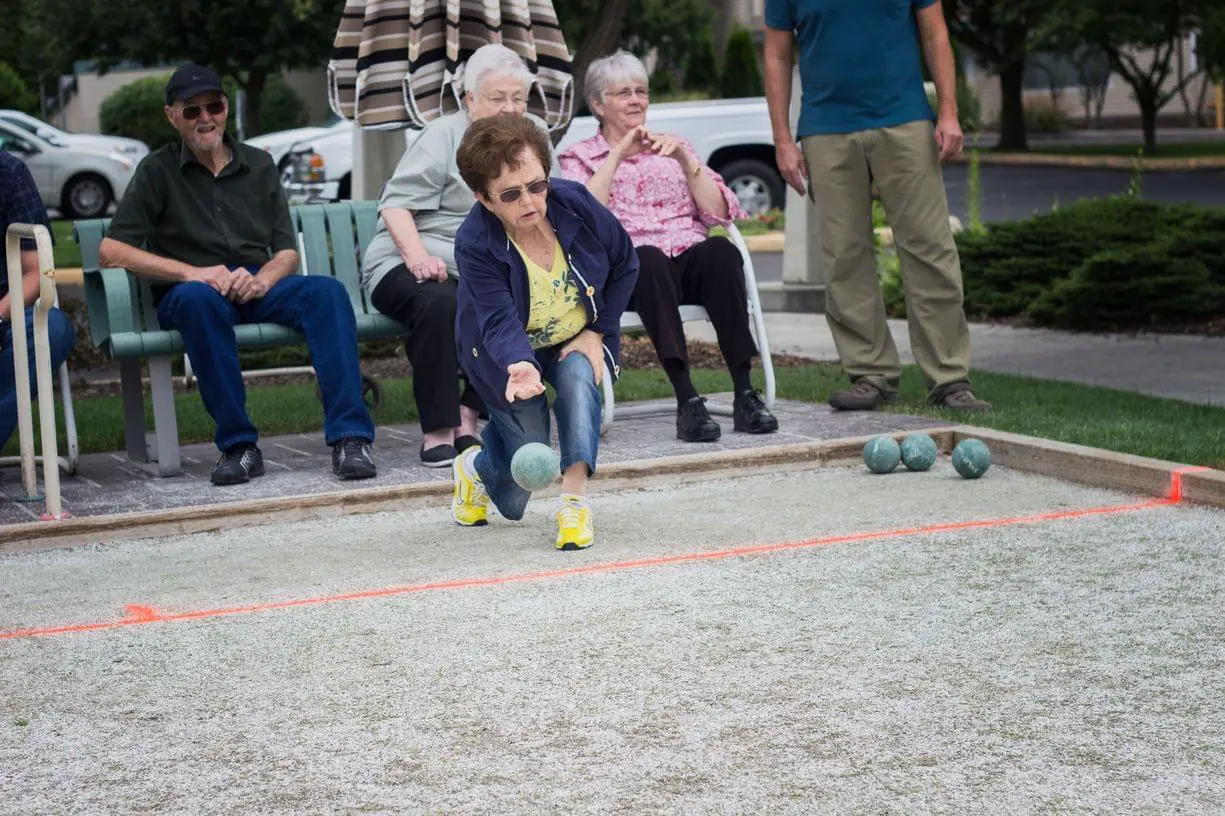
(631, 322)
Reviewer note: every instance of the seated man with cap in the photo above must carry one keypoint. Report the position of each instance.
(205, 219)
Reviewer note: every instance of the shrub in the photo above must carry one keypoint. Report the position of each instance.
(741, 76)
(280, 107)
(1131, 288)
(702, 72)
(14, 94)
(1045, 118)
(661, 81)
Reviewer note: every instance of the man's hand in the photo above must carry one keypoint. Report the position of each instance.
(248, 287)
(590, 344)
(949, 138)
(219, 277)
(428, 268)
(793, 166)
(632, 143)
(524, 382)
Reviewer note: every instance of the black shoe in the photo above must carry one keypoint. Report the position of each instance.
(750, 414)
(462, 443)
(693, 422)
(240, 464)
(352, 459)
(438, 456)
(863, 395)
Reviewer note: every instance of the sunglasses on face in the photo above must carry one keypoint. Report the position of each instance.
(191, 112)
(534, 188)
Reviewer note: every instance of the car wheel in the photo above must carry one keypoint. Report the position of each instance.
(758, 185)
(86, 196)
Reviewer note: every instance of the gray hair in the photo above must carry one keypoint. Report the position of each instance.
(494, 59)
(612, 70)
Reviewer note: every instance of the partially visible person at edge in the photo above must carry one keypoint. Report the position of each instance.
(207, 221)
(409, 268)
(668, 201)
(865, 119)
(20, 203)
(545, 273)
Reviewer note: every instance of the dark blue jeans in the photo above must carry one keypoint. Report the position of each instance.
(578, 406)
(316, 306)
(61, 334)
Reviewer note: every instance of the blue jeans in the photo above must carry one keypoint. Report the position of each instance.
(316, 306)
(61, 334)
(578, 407)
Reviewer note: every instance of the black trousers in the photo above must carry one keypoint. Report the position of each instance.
(709, 274)
(427, 311)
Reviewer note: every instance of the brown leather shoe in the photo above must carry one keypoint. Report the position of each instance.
(959, 397)
(864, 395)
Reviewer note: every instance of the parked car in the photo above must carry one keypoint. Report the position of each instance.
(133, 148)
(732, 136)
(278, 144)
(80, 182)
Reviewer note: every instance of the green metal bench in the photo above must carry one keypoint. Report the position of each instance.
(123, 320)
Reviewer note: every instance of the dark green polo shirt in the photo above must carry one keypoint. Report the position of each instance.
(176, 208)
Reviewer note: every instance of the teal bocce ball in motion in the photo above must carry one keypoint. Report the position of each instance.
(971, 458)
(882, 454)
(534, 466)
(918, 451)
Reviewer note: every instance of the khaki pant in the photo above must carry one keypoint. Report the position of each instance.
(901, 161)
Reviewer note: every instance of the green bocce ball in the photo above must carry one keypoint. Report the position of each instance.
(971, 458)
(882, 454)
(534, 466)
(919, 451)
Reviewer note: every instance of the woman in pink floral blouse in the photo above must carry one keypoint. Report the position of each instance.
(667, 200)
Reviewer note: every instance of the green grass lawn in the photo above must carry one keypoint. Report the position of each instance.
(67, 252)
(1174, 150)
(1114, 420)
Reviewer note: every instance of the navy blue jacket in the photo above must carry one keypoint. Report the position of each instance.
(493, 298)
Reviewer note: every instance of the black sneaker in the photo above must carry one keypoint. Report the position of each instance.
(864, 395)
(438, 456)
(693, 422)
(750, 414)
(238, 465)
(352, 459)
(959, 397)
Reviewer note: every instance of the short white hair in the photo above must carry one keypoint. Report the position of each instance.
(615, 69)
(490, 60)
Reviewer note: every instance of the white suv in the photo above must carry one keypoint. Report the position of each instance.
(80, 182)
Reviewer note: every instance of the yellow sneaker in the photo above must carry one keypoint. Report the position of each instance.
(574, 528)
(469, 501)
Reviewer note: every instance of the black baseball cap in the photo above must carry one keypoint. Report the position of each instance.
(191, 80)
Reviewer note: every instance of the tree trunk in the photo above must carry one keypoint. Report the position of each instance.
(1148, 120)
(1012, 107)
(256, 79)
(602, 38)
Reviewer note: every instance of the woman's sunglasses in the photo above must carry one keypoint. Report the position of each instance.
(535, 188)
(215, 108)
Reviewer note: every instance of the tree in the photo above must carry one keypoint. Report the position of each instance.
(702, 70)
(999, 33)
(1142, 39)
(741, 76)
(245, 40)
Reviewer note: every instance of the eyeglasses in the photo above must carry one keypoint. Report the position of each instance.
(539, 187)
(626, 93)
(517, 101)
(192, 112)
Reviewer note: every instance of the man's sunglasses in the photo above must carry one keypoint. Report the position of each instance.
(215, 108)
(535, 188)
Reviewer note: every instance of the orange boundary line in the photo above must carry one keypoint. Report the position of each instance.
(141, 615)
(1176, 480)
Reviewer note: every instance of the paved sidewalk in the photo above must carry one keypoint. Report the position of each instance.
(1183, 367)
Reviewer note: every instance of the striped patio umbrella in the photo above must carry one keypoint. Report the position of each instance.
(399, 63)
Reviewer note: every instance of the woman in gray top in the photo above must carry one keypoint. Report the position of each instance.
(409, 268)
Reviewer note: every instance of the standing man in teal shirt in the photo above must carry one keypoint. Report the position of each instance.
(865, 118)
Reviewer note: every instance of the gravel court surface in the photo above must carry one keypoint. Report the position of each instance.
(1070, 666)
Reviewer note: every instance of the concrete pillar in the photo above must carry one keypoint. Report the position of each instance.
(803, 285)
(375, 156)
